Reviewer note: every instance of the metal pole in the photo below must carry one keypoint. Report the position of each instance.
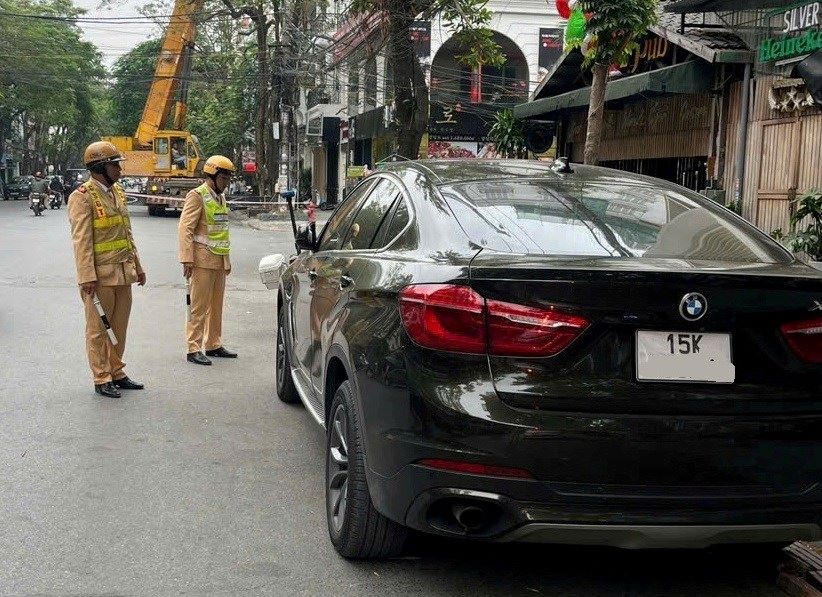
(742, 134)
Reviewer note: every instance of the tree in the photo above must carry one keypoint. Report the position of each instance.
(613, 28)
(507, 134)
(467, 18)
(132, 74)
(50, 82)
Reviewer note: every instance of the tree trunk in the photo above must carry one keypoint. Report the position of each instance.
(596, 112)
(410, 89)
(262, 149)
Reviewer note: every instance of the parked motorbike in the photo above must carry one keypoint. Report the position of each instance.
(55, 200)
(37, 203)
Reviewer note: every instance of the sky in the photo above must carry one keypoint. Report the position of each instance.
(113, 40)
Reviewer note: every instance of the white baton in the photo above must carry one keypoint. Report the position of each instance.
(188, 298)
(104, 319)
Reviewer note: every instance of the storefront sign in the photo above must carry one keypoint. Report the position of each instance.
(650, 52)
(455, 122)
(355, 172)
(800, 34)
(420, 34)
(550, 47)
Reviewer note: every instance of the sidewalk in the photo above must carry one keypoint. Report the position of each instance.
(277, 223)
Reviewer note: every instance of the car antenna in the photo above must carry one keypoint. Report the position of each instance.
(562, 166)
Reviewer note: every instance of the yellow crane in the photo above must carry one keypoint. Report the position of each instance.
(171, 159)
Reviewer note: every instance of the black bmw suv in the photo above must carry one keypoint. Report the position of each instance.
(510, 351)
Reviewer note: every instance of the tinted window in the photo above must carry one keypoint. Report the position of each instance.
(368, 219)
(337, 225)
(607, 216)
(393, 224)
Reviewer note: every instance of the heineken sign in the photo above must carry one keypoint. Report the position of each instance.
(800, 34)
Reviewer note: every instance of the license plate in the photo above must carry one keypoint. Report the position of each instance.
(684, 356)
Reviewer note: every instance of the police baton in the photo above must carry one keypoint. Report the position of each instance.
(188, 299)
(104, 319)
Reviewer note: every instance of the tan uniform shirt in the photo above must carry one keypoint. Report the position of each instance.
(193, 223)
(81, 217)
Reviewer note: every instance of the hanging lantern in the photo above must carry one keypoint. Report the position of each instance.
(575, 29)
(563, 9)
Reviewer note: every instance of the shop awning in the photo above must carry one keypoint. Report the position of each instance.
(688, 77)
(690, 6)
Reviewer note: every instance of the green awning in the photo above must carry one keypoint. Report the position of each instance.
(688, 77)
(695, 6)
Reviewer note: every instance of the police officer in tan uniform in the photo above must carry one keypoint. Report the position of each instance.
(107, 265)
(204, 248)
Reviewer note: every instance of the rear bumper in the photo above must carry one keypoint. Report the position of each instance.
(516, 510)
(662, 536)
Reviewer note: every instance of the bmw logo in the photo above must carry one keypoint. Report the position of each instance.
(693, 306)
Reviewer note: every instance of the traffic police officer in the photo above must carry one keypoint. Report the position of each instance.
(107, 265)
(204, 248)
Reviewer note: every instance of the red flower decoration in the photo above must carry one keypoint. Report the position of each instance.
(563, 9)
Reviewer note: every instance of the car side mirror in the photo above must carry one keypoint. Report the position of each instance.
(305, 239)
(271, 268)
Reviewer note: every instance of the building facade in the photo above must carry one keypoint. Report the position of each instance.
(358, 88)
(715, 99)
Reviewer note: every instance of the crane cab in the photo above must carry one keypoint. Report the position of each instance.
(177, 153)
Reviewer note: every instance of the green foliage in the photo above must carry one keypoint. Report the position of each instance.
(469, 20)
(615, 26)
(50, 81)
(132, 75)
(507, 134)
(809, 239)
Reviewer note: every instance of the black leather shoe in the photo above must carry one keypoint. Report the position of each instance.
(198, 358)
(107, 390)
(221, 352)
(127, 384)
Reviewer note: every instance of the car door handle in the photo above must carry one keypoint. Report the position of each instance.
(312, 274)
(345, 282)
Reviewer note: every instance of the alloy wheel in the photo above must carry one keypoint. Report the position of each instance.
(337, 474)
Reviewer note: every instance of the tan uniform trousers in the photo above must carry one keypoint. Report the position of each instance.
(207, 292)
(106, 361)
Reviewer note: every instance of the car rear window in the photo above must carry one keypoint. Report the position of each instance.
(610, 217)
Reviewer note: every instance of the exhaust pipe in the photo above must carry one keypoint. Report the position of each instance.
(470, 518)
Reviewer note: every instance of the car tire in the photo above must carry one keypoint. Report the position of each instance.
(286, 391)
(356, 529)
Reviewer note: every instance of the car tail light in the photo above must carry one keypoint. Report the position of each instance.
(444, 317)
(805, 338)
(457, 319)
(517, 330)
(475, 468)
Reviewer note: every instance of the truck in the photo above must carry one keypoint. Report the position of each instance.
(169, 158)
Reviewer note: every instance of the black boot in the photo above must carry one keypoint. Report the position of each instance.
(221, 352)
(198, 358)
(107, 389)
(127, 384)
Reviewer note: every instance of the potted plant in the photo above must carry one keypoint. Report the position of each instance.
(808, 240)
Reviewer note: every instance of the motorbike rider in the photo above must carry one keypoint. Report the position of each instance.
(56, 187)
(39, 188)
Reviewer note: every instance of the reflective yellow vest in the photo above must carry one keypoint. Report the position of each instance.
(111, 225)
(217, 240)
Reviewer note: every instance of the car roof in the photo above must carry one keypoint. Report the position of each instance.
(455, 171)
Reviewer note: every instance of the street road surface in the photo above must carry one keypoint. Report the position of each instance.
(204, 483)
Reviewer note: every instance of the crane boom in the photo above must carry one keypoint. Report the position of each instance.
(171, 64)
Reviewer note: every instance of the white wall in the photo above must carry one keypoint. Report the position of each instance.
(520, 20)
